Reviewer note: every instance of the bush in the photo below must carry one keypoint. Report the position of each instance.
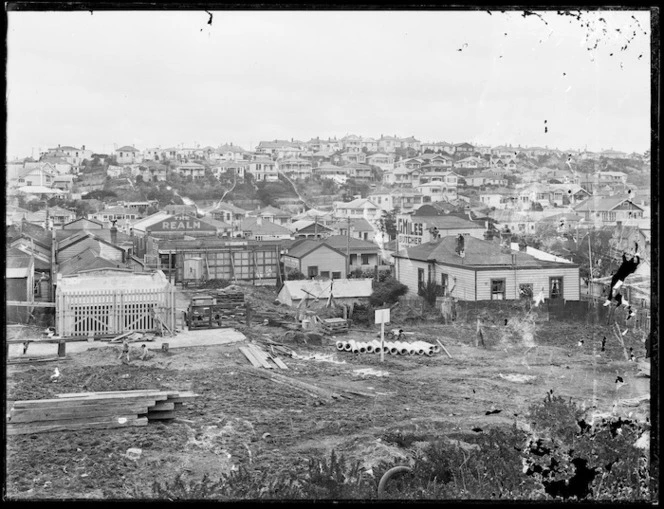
(294, 274)
(387, 292)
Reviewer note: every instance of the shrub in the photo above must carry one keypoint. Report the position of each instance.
(387, 292)
(294, 274)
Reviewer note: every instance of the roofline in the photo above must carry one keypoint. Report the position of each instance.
(559, 265)
(320, 244)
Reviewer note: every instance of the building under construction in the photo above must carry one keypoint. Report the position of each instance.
(190, 262)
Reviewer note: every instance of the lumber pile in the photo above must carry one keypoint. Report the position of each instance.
(259, 358)
(94, 410)
(333, 326)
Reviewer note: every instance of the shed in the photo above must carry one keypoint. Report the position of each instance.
(19, 283)
(317, 292)
(111, 301)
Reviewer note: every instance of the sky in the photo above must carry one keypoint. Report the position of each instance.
(185, 78)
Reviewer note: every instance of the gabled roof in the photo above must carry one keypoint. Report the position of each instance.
(85, 260)
(356, 224)
(250, 224)
(270, 210)
(126, 148)
(602, 204)
(83, 220)
(448, 222)
(340, 288)
(340, 242)
(308, 246)
(359, 203)
(478, 254)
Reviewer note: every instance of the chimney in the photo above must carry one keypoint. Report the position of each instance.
(83, 147)
(259, 220)
(114, 235)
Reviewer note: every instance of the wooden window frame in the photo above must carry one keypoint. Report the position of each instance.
(504, 291)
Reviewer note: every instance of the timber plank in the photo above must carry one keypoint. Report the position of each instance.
(261, 356)
(279, 362)
(21, 429)
(149, 392)
(165, 405)
(250, 356)
(56, 414)
(72, 402)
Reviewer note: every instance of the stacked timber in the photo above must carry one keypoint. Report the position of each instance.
(259, 358)
(94, 410)
(230, 304)
(333, 326)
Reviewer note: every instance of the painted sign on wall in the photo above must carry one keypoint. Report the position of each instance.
(181, 223)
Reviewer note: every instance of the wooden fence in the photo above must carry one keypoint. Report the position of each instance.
(111, 312)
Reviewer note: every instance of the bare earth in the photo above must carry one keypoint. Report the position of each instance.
(434, 396)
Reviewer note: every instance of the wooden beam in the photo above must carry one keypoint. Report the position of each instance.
(31, 304)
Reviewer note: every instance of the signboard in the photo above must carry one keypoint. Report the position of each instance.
(383, 315)
(181, 223)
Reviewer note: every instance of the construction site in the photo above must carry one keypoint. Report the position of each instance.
(164, 391)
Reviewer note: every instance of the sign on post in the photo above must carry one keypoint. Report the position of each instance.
(382, 317)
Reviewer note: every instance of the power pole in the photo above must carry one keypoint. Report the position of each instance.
(348, 247)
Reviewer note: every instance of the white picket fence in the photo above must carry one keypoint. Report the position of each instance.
(108, 312)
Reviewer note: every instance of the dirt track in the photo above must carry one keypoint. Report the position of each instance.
(426, 396)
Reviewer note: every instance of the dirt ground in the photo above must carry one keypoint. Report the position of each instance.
(225, 426)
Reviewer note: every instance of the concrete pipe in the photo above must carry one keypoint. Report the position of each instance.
(353, 346)
(436, 349)
(392, 347)
(369, 347)
(424, 347)
(341, 345)
(361, 347)
(403, 347)
(376, 345)
(347, 346)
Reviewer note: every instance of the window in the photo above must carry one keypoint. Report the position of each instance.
(325, 274)
(443, 283)
(365, 258)
(555, 288)
(312, 271)
(336, 275)
(420, 279)
(353, 259)
(497, 289)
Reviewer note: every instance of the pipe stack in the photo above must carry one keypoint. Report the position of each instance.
(391, 347)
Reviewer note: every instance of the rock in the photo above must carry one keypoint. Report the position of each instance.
(134, 453)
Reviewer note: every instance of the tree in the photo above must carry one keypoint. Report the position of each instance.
(387, 223)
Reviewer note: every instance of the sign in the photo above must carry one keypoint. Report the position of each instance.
(181, 223)
(383, 315)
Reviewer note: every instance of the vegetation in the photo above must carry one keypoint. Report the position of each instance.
(560, 458)
(387, 292)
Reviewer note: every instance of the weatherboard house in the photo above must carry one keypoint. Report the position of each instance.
(486, 271)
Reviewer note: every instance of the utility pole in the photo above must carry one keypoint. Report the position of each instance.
(348, 247)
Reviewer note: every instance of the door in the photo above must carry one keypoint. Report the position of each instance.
(556, 292)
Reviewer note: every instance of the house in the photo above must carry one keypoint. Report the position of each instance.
(53, 217)
(523, 222)
(486, 271)
(360, 207)
(370, 144)
(503, 151)
(74, 156)
(351, 143)
(464, 150)
(257, 228)
(403, 200)
(325, 218)
(359, 172)
(228, 213)
(152, 171)
(41, 175)
(403, 176)
(359, 229)
(295, 168)
(388, 144)
(273, 214)
(307, 229)
(89, 259)
(194, 170)
(410, 142)
(314, 258)
(263, 170)
(439, 147)
(117, 213)
(342, 291)
(128, 155)
(472, 162)
(109, 244)
(15, 214)
(414, 229)
(230, 152)
(276, 148)
(613, 154)
(436, 191)
(236, 168)
(492, 199)
(608, 210)
(383, 161)
(353, 157)
(363, 254)
(83, 223)
(331, 172)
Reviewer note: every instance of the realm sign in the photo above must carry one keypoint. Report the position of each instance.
(181, 223)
